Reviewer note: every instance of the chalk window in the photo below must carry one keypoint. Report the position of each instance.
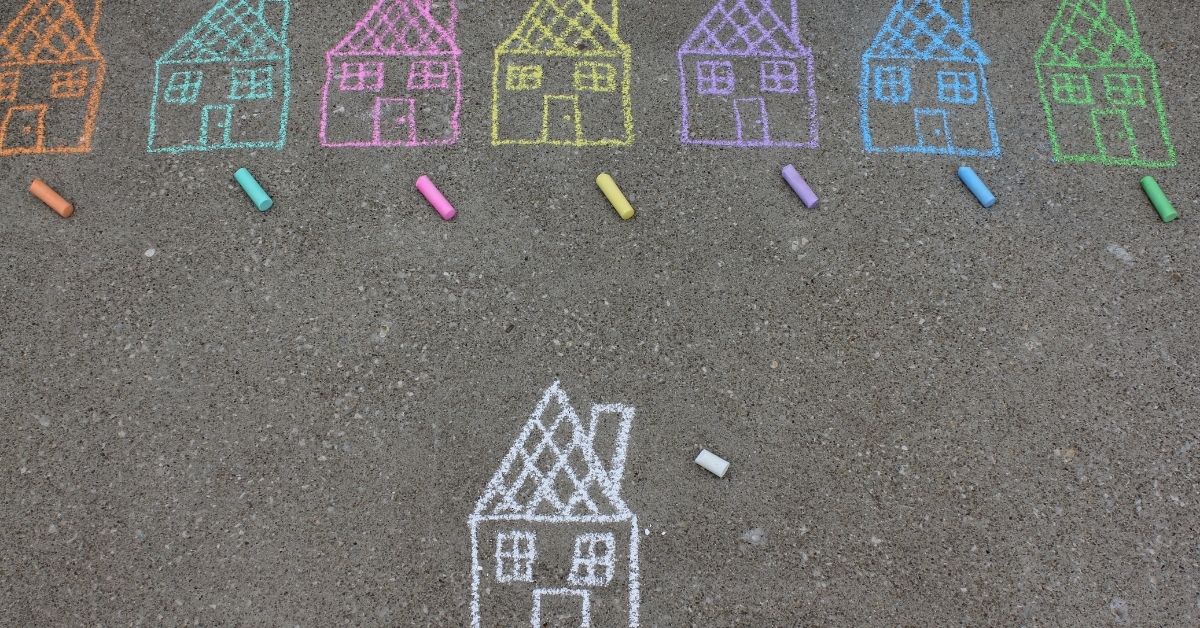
(1071, 89)
(893, 84)
(69, 84)
(523, 77)
(429, 75)
(780, 76)
(714, 78)
(593, 76)
(183, 88)
(361, 77)
(9, 83)
(515, 553)
(593, 564)
(958, 88)
(1125, 90)
(252, 83)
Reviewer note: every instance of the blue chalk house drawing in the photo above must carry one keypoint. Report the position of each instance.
(226, 83)
(924, 86)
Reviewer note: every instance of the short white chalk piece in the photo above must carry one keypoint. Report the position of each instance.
(714, 463)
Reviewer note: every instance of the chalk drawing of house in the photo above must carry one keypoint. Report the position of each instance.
(395, 79)
(563, 77)
(924, 88)
(227, 82)
(1100, 88)
(746, 78)
(551, 538)
(51, 74)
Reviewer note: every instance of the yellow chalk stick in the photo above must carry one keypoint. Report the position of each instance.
(614, 196)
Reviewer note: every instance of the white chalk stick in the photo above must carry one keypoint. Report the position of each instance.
(714, 463)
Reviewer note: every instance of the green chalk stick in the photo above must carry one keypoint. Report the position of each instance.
(1162, 204)
(257, 195)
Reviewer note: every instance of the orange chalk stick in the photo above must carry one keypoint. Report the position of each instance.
(51, 198)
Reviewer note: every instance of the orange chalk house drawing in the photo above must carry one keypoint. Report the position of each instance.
(51, 73)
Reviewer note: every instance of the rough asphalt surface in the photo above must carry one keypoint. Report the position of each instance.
(936, 414)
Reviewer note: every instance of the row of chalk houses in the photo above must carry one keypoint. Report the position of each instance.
(562, 77)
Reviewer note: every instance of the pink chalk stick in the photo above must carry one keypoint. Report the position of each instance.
(800, 186)
(435, 198)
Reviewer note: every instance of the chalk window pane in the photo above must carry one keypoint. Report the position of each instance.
(959, 88)
(594, 561)
(252, 83)
(10, 82)
(429, 75)
(515, 555)
(714, 78)
(780, 76)
(1071, 89)
(183, 88)
(1125, 90)
(893, 85)
(69, 84)
(361, 77)
(595, 77)
(592, 76)
(523, 77)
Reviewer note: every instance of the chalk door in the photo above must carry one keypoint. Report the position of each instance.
(560, 120)
(1114, 134)
(561, 607)
(216, 126)
(24, 129)
(751, 116)
(933, 129)
(395, 121)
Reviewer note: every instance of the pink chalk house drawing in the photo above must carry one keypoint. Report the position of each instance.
(395, 79)
(746, 78)
(552, 541)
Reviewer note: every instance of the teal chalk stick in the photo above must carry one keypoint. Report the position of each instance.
(1161, 203)
(255, 191)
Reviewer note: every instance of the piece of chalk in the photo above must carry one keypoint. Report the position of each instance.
(435, 198)
(1162, 204)
(257, 194)
(977, 186)
(800, 186)
(51, 198)
(714, 463)
(614, 196)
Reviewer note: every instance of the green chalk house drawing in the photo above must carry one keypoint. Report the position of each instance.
(1100, 88)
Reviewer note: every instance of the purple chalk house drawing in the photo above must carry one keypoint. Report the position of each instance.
(395, 79)
(746, 78)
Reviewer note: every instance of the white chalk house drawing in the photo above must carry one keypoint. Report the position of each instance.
(552, 541)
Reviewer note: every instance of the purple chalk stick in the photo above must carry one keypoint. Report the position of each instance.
(800, 186)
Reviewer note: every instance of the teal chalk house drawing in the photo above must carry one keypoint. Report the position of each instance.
(1100, 88)
(226, 84)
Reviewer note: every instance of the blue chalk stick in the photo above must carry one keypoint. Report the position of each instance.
(977, 186)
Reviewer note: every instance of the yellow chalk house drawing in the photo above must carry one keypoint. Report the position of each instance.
(562, 77)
